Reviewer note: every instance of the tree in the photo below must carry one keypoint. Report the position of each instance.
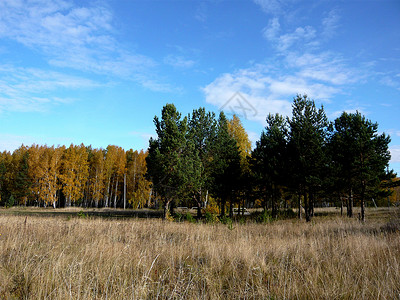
(239, 134)
(96, 175)
(225, 164)
(74, 173)
(165, 156)
(269, 159)
(201, 133)
(361, 155)
(138, 187)
(307, 139)
(20, 178)
(5, 176)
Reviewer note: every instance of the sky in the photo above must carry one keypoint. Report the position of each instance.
(97, 72)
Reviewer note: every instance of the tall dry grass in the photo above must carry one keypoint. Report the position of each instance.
(57, 258)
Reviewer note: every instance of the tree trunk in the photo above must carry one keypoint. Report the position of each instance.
(274, 204)
(124, 190)
(363, 203)
(341, 205)
(222, 208)
(166, 209)
(107, 194)
(299, 205)
(115, 196)
(231, 207)
(307, 207)
(311, 207)
(198, 202)
(350, 204)
(149, 200)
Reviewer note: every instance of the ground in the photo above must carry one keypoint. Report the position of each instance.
(77, 255)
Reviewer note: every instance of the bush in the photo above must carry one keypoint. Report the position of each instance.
(190, 218)
(227, 221)
(263, 217)
(287, 214)
(210, 218)
(10, 202)
(178, 217)
(82, 215)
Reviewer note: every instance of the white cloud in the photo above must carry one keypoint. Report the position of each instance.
(27, 89)
(270, 6)
(81, 38)
(253, 137)
(271, 31)
(299, 67)
(395, 153)
(330, 24)
(178, 61)
(285, 41)
(254, 100)
(300, 34)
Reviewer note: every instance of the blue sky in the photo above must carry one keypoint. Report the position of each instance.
(97, 72)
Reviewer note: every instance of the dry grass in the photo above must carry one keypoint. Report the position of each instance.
(83, 258)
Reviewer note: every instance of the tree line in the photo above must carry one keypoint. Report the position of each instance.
(203, 160)
(302, 160)
(78, 175)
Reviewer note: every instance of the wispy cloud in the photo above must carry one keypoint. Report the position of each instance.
(28, 89)
(395, 153)
(80, 38)
(330, 24)
(201, 12)
(178, 61)
(253, 86)
(299, 66)
(271, 6)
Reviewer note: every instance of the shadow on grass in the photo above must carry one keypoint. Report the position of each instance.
(83, 213)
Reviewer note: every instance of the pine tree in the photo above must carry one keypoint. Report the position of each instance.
(225, 164)
(361, 155)
(307, 139)
(269, 159)
(201, 133)
(166, 153)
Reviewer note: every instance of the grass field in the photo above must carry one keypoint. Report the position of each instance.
(80, 257)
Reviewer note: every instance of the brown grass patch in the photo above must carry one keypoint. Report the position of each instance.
(85, 258)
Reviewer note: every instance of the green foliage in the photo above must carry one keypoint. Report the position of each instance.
(178, 217)
(227, 221)
(190, 218)
(262, 217)
(226, 169)
(171, 164)
(10, 202)
(82, 215)
(210, 217)
(268, 160)
(287, 214)
(361, 156)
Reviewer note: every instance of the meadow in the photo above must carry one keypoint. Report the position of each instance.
(88, 257)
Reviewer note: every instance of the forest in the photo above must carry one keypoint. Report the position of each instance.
(303, 161)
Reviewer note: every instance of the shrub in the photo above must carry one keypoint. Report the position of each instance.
(287, 214)
(10, 202)
(190, 218)
(263, 217)
(210, 218)
(178, 217)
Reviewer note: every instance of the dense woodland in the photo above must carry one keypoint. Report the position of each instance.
(77, 175)
(200, 160)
